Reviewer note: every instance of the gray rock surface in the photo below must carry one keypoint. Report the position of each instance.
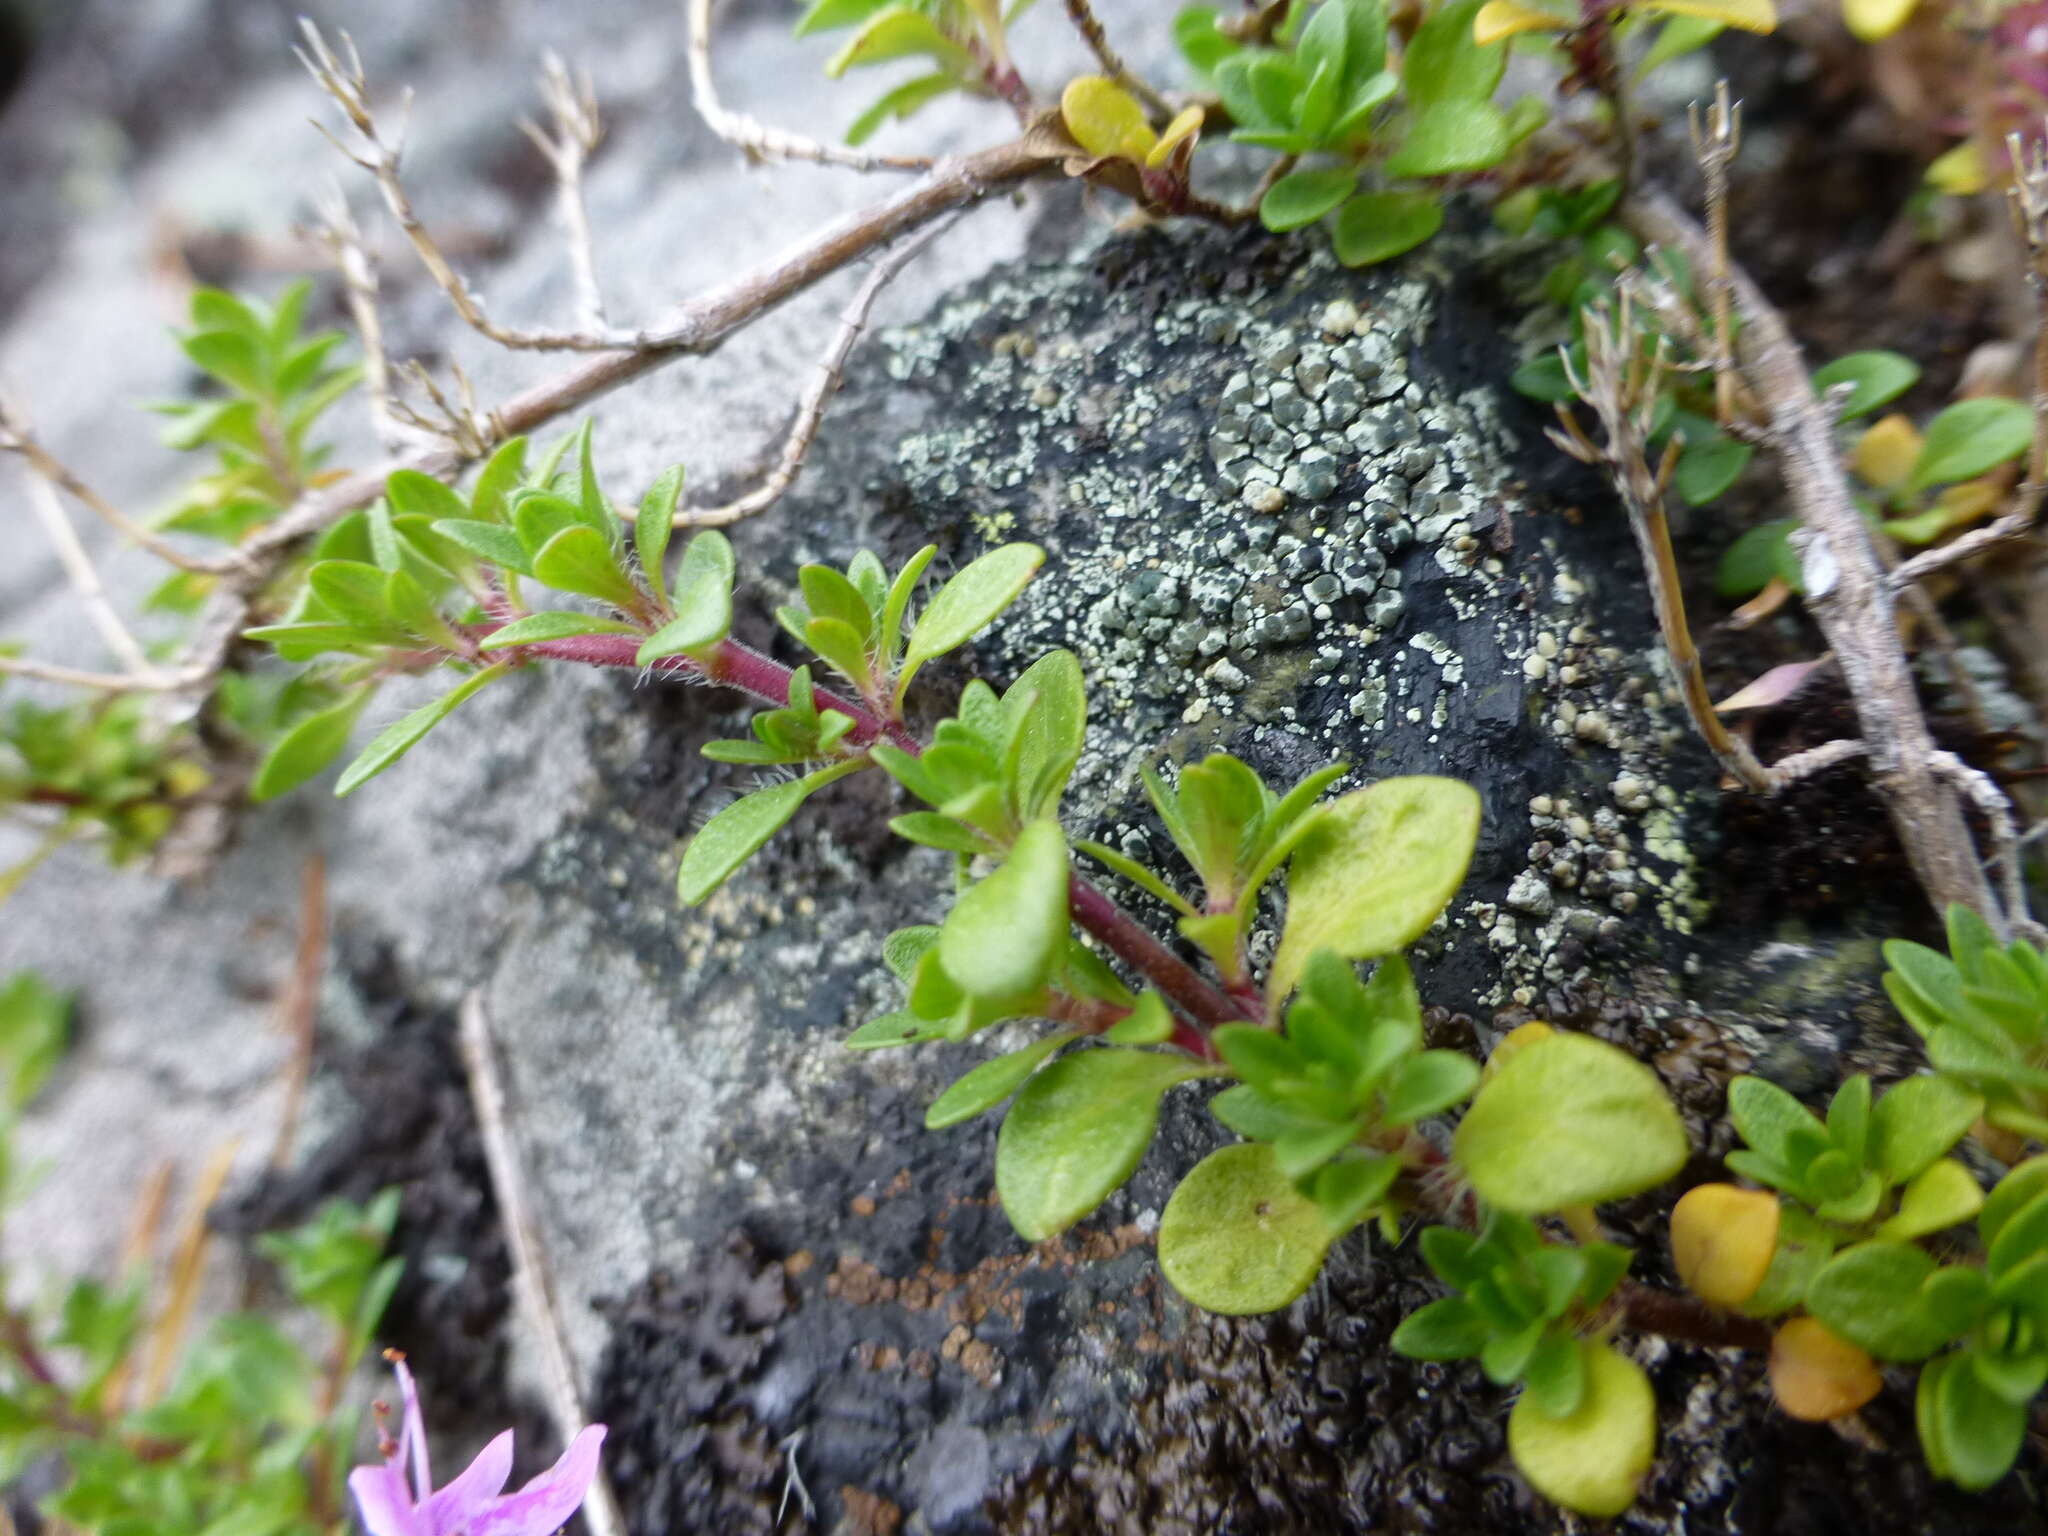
(1290, 512)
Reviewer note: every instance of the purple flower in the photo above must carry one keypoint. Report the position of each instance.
(471, 1505)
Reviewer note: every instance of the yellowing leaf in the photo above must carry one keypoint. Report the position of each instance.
(1186, 125)
(1884, 455)
(1505, 18)
(1874, 19)
(1816, 1375)
(1105, 119)
(1748, 15)
(1959, 172)
(1593, 1459)
(1518, 1039)
(1722, 1239)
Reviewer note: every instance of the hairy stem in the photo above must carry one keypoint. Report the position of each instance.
(737, 666)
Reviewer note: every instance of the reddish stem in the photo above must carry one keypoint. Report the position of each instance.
(737, 666)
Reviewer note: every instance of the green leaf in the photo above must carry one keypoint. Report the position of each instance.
(1004, 937)
(969, 603)
(1449, 137)
(307, 747)
(1200, 43)
(493, 541)
(1077, 1131)
(899, 103)
(1377, 226)
(933, 830)
(841, 645)
(1942, 1195)
(1443, 63)
(298, 642)
(500, 477)
(1237, 1237)
(1677, 37)
(553, 625)
(1980, 1432)
(736, 833)
(1916, 1122)
(1375, 870)
(235, 360)
(1569, 1120)
(1708, 466)
(1138, 875)
(355, 593)
(582, 560)
(538, 516)
(651, 529)
(395, 741)
(827, 15)
(1543, 377)
(702, 601)
(1427, 1084)
(1870, 1295)
(894, 1029)
(1593, 1459)
(900, 32)
(1301, 197)
(1878, 379)
(1752, 560)
(1150, 1023)
(992, 1082)
(416, 495)
(1351, 1188)
(898, 603)
(1774, 1123)
(1968, 438)
(35, 1025)
(2022, 1185)
(1448, 1329)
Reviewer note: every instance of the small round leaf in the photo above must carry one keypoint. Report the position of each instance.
(1237, 1237)
(1593, 1459)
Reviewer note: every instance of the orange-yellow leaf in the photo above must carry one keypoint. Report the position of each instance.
(1722, 1239)
(1816, 1376)
(1745, 15)
(1885, 454)
(1105, 119)
(1871, 20)
(1186, 125)
(1505, 18)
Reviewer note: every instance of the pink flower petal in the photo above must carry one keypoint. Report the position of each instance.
(545, 1504)
(414, 1433)
(385, 1502)
(449, 1511)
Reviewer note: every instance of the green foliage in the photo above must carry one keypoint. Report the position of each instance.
(1519, 1304)
(1374, 870)
(35, 1027)
(1238, 1236)
(1349, 1074)
(1982, 1011)
(961, 42)
(1568, 1121)
(1336, 93)
(269, 383)
(1875, 378)
(243, 1440)
(1847, 1170)
(1969, 438)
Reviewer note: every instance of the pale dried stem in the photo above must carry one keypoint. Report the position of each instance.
(167, 1335)
(757, 139)
(824, 385)
(1622, 391)
(1715, 144)
(530, 1269)
(578, 130)
(1082, 14)
(454, 419)
(85, 582)
(136, 1249)
(352, 259)
(15, 437)
(2003, 832)
(73, 677)
(1847, 590)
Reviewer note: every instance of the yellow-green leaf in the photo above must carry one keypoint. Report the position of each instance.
(1871, 20)
(1105, 119)
(1593, 1459)
(1746, 15)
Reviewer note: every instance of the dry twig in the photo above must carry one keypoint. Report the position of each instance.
(1848, 591)
(811, 411)
(577, 131)
(167, 1334)
(338, 232)
(1082, 14)
(529, 1256)
(759, 140)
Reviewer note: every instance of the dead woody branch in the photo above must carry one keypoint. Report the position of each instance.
(1849, 592)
